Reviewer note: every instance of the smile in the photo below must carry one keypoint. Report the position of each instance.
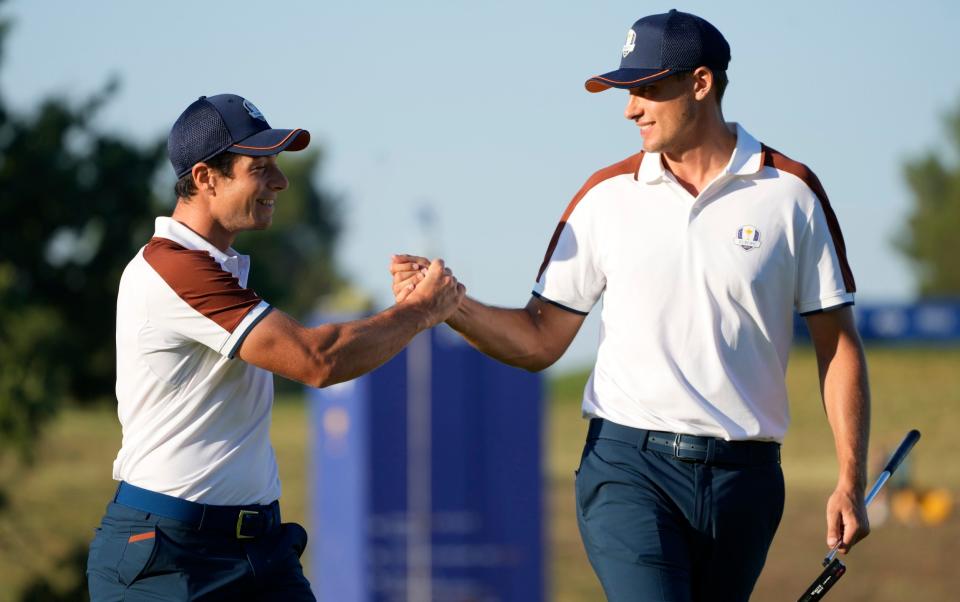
(266, 202)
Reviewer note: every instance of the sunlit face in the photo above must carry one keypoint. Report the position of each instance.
(246, 201)
(664, 110)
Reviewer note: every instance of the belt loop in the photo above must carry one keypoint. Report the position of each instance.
(203, 515)
(711, 450)
(644, 438)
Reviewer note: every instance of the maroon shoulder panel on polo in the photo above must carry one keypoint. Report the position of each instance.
(778, 160)
(629, 165)
(200, 281)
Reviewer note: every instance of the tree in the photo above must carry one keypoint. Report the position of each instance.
(930, 238)
(78, 204)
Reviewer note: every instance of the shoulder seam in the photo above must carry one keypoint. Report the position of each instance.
(629, 165)
(777, 160)
(217, 295)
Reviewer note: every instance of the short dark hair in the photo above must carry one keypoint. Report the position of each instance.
(720, 82)
(223, 162)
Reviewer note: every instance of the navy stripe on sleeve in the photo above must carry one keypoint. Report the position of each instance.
(561, 306)
(826, 309)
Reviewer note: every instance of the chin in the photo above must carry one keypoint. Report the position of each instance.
(650, 146)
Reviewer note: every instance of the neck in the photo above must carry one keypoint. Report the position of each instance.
(698, 164)
(195, 215)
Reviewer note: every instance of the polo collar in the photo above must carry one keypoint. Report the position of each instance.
(747, 159)
(231, 260)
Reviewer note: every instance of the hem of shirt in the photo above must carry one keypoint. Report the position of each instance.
(823, 310)
(185, 493)
(232, 344)
(560, 305)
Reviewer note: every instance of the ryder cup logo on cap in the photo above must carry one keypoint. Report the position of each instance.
(659, 46)
(226, 122)
(631, 42)
(253, 110)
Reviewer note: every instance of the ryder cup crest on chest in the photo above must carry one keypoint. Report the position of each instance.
(748, 237)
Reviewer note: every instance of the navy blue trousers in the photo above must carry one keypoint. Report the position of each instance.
(659, 529)
(138, 556)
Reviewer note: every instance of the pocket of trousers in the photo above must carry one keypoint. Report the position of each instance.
(139, 550)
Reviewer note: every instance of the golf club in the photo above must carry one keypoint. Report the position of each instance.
(834, 568)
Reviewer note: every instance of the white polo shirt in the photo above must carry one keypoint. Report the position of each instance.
(698, 292)
(196, 421)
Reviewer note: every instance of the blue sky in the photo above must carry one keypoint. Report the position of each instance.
(478, 109)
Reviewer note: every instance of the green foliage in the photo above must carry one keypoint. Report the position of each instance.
(78, 205)
(930, 239)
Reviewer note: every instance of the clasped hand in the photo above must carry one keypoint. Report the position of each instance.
(427, 283)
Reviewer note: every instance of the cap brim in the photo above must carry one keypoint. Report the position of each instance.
(271, 142)
(626, 78)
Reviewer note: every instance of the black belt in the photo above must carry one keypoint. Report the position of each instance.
(242, 522)
(688, 448)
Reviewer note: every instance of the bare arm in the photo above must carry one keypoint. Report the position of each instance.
(846, 398)
(333, 353)
(533, 337)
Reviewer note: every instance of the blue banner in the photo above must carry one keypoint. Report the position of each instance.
(427, 480)
(920, 322)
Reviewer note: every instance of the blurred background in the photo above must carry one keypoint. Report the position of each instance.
(462, 129)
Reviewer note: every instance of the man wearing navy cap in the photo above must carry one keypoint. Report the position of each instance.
(196, 514)
(702, 246)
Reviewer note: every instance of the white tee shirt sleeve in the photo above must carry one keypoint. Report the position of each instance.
(820, 279)
(193, 298)
(571, 276)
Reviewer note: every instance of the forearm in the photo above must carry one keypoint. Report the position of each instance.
(345, 351)
(846, 396)
(512, 336)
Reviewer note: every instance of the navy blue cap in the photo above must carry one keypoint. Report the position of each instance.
(659, 46)
(226, 122)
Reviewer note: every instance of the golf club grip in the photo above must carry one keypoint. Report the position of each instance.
(905, 446)
(827, 579)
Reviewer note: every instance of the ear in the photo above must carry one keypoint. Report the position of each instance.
(204, 178)
(702, 82)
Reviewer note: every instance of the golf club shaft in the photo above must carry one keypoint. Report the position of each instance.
(904, 448)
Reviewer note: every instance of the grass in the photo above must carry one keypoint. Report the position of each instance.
(53, 505)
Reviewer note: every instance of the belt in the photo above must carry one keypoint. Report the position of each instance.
(242, 522)
(688, 448)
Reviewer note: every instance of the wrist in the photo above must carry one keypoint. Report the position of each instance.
(852, 484)
(458, 319)
(418, 314)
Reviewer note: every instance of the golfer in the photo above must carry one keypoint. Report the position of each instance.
(701, 246)
(196, 515)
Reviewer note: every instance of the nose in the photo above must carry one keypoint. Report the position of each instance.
(634, 109)
(278, 181)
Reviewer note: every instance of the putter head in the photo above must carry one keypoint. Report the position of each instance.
(824, 582)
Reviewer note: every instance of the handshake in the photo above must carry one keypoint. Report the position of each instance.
(430, 285)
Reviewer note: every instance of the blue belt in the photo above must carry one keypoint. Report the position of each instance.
(689, 448)
(242, 522)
